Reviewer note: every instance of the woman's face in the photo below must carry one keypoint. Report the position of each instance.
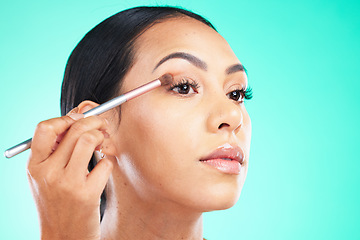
(181, 143)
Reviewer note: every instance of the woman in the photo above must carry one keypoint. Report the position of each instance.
(165, 157)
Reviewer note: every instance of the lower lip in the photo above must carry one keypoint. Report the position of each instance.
(225, 166)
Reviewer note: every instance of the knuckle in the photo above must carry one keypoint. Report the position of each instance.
(29, 168)
(88, 138)
(44, 127)
(50, 178)
(100, 121)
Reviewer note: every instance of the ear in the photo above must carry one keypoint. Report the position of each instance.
(108, 148)
(86, 105)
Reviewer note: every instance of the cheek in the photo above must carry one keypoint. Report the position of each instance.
(159, 140)
(163, 126)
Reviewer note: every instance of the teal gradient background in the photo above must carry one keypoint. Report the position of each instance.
(303, 62)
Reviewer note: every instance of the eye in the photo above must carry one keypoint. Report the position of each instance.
(239, 95)
(236, 96)
(185, 87)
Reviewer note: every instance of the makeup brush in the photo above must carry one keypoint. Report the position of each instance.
(163, 80)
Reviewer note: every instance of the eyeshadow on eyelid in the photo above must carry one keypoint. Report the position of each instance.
(166, 79)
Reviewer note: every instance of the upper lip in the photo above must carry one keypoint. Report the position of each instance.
(226, 151)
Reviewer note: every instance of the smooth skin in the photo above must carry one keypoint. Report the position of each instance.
(157, 187)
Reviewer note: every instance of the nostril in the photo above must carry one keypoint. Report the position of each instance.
(223, 125)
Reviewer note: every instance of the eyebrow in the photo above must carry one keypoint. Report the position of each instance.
(235, 68)
(199, 63)
(187, 56)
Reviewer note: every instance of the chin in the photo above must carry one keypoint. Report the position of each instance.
(221, 191)
(226, 202)
(220, 205)
(222, 198)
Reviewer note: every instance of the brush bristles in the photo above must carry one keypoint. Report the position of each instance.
(166, 79)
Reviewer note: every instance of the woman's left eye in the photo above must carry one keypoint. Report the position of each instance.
(236, 95)
(239, 95)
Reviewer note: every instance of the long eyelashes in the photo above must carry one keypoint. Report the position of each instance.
(186, 86)
(238, 95)
(247, 93)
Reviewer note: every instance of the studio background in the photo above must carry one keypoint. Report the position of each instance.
(303, 62)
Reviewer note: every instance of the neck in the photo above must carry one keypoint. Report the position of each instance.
(127, 216)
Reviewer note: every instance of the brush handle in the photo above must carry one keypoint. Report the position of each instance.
(21, 147)
(25, 145)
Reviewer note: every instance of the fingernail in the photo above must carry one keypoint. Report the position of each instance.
(106, 135)
(74, 110)
(76, 116)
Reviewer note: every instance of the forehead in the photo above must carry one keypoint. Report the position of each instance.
(182, 34)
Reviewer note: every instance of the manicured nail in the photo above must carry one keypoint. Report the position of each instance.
(106, 135)
(74, 110)
(76, 116)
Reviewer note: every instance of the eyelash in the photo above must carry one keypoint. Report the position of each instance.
(246, 93)
(185, 82)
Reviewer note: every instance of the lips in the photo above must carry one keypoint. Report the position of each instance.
(226, 152)
(227, 159)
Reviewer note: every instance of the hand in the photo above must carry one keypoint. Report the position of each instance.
(66, 194)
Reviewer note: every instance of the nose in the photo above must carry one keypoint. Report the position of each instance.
(225, 115)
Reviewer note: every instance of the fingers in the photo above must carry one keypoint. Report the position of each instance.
(83, 152)
(69, 158)
(99, 176)
(62, 148)
(80, 132)
(46, 134)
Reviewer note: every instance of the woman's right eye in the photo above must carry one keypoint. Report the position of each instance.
(185, 87)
